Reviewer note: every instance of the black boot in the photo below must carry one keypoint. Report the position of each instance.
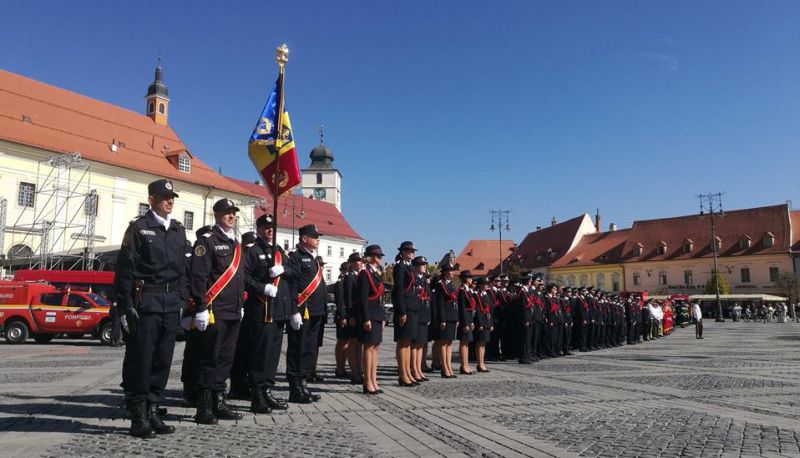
(156, 422)
(222, 410)
(140, 424)
(308, 393)
(257, 402)
(205, 410)
(272, 401)
(296, 393)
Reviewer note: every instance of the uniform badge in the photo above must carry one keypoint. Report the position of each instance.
(199, 250)
(168, 185)
(261, 256)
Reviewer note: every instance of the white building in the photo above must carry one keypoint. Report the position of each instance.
(74, 171)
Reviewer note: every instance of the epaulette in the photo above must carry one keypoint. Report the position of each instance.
(204, 231)
(136, 219)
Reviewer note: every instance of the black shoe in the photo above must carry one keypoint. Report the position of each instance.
(273, 402)
(423, 379)
(205, 410)
(222, 410)
(427, 369)
(465, 372)
(257, 402)
(140, 421)
(444, 375)
(452, 376)
(404, 384)
(524, 361)
(308, 393)
(296, 393)
(483, 370)
(155, 420)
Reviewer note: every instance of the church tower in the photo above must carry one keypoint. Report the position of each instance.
(321, 181)
(158, 99)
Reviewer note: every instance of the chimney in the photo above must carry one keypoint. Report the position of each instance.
(553, 221)
(538, 228)
(612, 227)
(597, 221)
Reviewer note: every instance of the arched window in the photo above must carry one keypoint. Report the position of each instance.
(601, 282)
(150, 108)
(319, 178)
(20, 251)
(161, 108)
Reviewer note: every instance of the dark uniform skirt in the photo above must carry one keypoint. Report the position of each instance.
(346, 332)
(464, 336)
(449, 332)
(483, 336)
(433, 332)
(372, 337)
(422, 334)
(409, 331)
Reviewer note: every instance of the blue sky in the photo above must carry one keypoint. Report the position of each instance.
(439, 111)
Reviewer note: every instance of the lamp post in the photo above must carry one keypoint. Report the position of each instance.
(300, 215)
(713, 203)
(500, 218)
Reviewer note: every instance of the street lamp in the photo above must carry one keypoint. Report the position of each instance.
(713, 203)
(300, 215)
(500, 218)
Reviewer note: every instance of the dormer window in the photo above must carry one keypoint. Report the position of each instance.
(637, 249)
(745, 242)
(688, 246)
(717, 244)
(480, 266)
(769, 240)
(661, 249)
(185, 164)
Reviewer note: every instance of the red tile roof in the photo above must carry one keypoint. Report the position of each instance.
(731, 227)
(594, 249)
(481, 256)
(36, 114)
(326, 216)
(543, 247)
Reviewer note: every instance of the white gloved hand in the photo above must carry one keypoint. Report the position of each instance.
(201, 320)
(241, 317)
(124, 322)
(186, 323)
(295, 321)
(270, 290)
(276, 271)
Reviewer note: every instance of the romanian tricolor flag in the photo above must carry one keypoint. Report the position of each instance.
(275, 158)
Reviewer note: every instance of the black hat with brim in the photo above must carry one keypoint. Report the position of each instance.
(225, 206)
(161, 187)
(374, 250)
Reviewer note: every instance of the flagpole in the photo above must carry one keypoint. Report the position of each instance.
(281, 58)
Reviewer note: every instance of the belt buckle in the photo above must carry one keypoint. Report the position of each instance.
(166, 288)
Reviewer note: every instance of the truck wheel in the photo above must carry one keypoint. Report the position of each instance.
(105, 333)
(17, 332)
(43, 338)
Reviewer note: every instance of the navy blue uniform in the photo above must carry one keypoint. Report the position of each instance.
(155, 256)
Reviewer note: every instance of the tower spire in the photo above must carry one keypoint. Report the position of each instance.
(158, 97)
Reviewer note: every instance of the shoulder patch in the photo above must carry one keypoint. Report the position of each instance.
(204, 231)
(199, 250)
(137, 218)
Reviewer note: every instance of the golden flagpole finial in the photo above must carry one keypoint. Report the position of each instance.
(282, 55)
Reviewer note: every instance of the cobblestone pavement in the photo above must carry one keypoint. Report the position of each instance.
(735, 393)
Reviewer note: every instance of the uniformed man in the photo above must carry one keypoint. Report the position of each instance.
(539, 331)
(240, 385)
(150, 287)
(566, 331)
(554, 319)
(304, 274)
(524, 307)
(217, 288)
(350, 314)
(266, 312)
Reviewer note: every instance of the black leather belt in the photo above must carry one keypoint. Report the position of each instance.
(166, 288)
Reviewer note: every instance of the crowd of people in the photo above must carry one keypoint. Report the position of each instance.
(237, 299)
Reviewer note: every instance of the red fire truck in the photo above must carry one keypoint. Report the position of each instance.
(44, 311)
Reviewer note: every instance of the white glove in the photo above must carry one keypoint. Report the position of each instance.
(276, 271)
(270, 290)
(242, 314)
(186, 323)
(124, 322)
(295, 321)
(201, 320)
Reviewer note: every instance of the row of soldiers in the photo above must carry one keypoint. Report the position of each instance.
(236, 301)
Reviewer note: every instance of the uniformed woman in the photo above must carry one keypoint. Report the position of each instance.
(423, 319)
(466, 319)
(447, 313)
(371, 315)
(483, 323)
(405, 301)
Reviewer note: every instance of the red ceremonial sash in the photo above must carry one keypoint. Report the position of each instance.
(226, 276)
(423, 295)
(410, 282)
(450, 296)
(584, 304)
(471, 300)
(303, 296)
(484, 308)
(377, 291)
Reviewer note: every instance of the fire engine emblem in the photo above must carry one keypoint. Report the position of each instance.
(78, 323)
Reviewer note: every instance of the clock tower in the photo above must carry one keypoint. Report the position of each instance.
(321, 181)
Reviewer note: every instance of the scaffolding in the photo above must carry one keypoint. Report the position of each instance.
(58, 230)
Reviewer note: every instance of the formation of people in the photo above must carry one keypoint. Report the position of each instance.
(236, 300)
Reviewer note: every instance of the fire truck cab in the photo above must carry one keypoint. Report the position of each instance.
(42, 311)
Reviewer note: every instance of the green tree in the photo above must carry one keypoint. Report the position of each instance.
(724, 286)
(789, 284)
